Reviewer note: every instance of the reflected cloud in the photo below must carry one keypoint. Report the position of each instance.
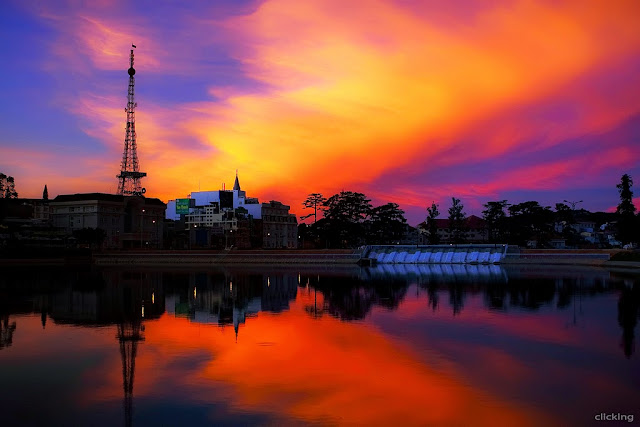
(324, 346)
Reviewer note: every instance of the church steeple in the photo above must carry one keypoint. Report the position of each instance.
(236, 185)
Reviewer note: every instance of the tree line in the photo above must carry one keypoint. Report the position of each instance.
(348, 219)
(529, 220)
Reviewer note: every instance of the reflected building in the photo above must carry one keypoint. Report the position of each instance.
(231, 297)
(121, 298)
(226, 298)
(116, 295)
(88, 298)
(278, 291)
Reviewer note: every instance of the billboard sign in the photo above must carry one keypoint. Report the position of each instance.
(182, 206)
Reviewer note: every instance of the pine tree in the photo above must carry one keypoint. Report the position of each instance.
(627, 221)
(432, 225)
(626, 206)
(314, 200)
(457, 221)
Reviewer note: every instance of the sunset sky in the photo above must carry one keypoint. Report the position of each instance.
(405, 101)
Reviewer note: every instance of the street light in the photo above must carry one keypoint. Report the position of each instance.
(573, 204)
(226, 238)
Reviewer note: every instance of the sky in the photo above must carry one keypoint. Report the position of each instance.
(410, 102)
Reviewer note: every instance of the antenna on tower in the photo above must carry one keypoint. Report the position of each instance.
(129, 177)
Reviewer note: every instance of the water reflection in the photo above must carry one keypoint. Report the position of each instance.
(229, 297)
(89, 299)
(306, 341)
(350, 294)
(6, 331)
(628, 313)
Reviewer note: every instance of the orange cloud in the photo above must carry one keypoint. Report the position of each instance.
(335, 97)
(356, 94)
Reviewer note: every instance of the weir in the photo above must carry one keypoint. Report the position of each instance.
(435, 254)
(424, 273)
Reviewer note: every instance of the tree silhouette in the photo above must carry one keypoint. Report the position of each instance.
(529, 220)
(626, 205)
(344, 216)
(387, 224)
(495, 217)
(457, 219)
(313, 201)
(7, 187)
(432, 225)
(627, 221)
(564, 214)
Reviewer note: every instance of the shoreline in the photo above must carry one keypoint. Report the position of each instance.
(292, 257)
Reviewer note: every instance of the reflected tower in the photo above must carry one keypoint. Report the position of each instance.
(129, 334)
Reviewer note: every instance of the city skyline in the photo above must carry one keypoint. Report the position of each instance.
(407, 102)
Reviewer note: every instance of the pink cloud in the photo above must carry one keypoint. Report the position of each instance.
(341, 97)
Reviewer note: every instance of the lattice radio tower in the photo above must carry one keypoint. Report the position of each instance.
(129, 178)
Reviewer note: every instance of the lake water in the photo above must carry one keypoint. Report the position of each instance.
(435, 345)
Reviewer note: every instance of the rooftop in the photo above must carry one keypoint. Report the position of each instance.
(102, 197)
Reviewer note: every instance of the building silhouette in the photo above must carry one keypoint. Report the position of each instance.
(128, 221)
(228, 218)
